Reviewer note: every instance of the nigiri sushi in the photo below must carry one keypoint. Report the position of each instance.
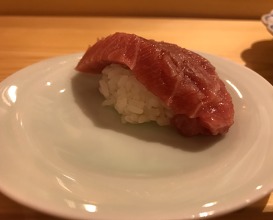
(146, 80)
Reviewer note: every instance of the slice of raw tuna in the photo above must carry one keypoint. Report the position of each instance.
(185, 81)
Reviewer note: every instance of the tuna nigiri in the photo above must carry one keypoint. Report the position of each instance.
(146, 80)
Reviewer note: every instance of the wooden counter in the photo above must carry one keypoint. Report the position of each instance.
(25, 40)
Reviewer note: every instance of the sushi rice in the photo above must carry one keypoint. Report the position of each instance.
(130, 98)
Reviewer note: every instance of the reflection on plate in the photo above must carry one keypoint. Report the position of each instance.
(64, 154)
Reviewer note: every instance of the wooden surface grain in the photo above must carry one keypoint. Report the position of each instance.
(26, 40)
(239, 9)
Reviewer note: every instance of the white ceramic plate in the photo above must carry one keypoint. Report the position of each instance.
(62, 153)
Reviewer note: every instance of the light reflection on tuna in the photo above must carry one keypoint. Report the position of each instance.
(235, 88)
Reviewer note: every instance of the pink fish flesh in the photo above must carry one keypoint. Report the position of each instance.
(185, 81)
